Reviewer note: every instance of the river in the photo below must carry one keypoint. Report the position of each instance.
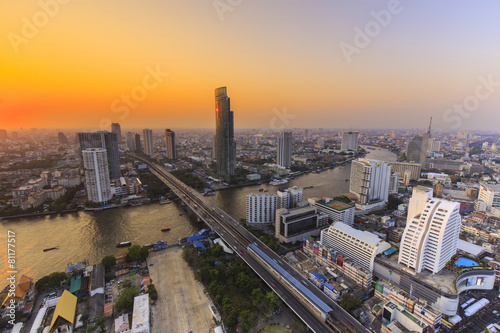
(93, 235)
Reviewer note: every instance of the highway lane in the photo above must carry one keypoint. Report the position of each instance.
(241, 238)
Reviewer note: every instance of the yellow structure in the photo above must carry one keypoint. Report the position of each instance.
(65, 310)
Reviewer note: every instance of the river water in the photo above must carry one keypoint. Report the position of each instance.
(93, 235)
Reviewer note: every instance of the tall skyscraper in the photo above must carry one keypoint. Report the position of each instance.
(138, 146)
(431, 234)
(350, 141)
(370, 180)
(95, 163)
(171, 153)
(284, 149)
(417, 149)
(148, 141)
(130, 140)
(62, 138)
(3, 134)
(115, 128)
(104, 140)
(224, 132)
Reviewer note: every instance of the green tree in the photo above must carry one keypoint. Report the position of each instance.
(232, 319)
(134, 253)
(109, 276)
(153, 293)
(108, 262)
(244, 282)
(349, 302)
(272, 301)
(126, 300)
(247, 320)
(393, 202)
(258, 297)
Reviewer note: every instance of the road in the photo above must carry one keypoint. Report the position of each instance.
(238, 238)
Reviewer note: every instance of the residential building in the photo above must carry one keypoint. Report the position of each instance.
(115, 128)
(359, 246)
(138, 146)
(107, 141)
(290, 197)
(370, 180)
(393, 183)
(489, 194)
(171, 152)
(148, 142)
(97, 179)
(224, 129)
(261, 208)
(284, 149)
(130, 140)
(349, 141)
(431, 234)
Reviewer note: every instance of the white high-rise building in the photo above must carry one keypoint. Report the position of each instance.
(261, 207)
(284, 149)
(290, 197)
(490, 195)
(431, 234)
(370, 180)
(130, 139)
(393, 184)
(148, 142)
(95, 163)
(350, 141)
(360, 246)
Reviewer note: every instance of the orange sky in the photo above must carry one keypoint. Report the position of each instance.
(74, 68)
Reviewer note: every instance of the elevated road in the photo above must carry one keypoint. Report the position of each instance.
(237, 237)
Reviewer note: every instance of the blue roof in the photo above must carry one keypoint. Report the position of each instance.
(200, 245)
(195, 238)
(390, 251)
(329, 286)
(293, 281)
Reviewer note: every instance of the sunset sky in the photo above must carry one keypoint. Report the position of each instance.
(69, 63)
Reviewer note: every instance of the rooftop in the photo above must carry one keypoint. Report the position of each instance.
(364, 236)
(337, 205)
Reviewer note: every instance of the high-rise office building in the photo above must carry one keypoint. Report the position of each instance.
(349, 141)
(62, 138)
(148, 141)
(138, 146)
(171, 153)
(115, 128)
(104, 140)
(417, 149)
(3, 134)
(284, 149)
(370, 180)
(95, 163)
(431, 235)
(224, 132)
(130, 140)
(261, 207)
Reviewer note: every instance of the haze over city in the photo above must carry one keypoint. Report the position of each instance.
(377, 64)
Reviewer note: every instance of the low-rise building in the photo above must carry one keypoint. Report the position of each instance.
(336, 210)
(294, 224)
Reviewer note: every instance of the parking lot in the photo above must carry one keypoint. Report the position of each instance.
(181, 305)
(481, 319)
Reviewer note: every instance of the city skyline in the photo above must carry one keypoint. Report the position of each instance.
(320, 66)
